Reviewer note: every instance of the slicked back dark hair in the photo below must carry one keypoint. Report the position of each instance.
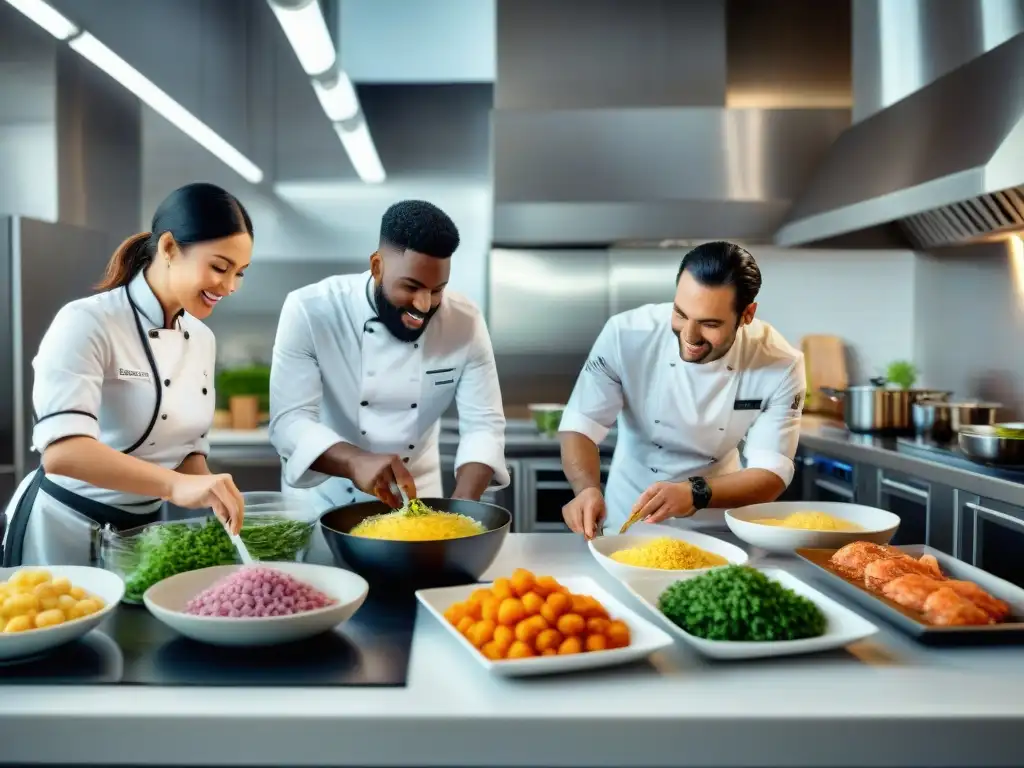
(721, 263)
(417, 225)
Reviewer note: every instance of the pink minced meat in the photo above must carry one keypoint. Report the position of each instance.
(257, 591)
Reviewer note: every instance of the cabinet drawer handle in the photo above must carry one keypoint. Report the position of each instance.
(904, 488)
(838, 490)
(993, 513)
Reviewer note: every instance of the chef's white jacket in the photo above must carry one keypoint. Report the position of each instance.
(678, 420)
(338, 376)
(107, 369)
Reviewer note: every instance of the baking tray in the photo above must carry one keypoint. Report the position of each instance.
(1008, 632)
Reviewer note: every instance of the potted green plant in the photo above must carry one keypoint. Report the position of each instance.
(246, 393)
(901, 373)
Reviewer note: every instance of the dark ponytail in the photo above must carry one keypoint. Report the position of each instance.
(195, 213)
(130, 258)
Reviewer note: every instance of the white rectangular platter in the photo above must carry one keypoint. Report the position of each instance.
(844, 626)
(645, 636)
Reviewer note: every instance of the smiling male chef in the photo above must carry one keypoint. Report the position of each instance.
(365, 365)
(690, 380)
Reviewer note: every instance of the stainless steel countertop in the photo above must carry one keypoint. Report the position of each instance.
(883, 701)
(886, 453)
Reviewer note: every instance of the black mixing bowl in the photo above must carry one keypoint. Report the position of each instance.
(410, 565)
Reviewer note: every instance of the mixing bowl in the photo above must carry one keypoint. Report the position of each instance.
(412, 565)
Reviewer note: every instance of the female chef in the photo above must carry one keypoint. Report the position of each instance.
(123, 393)
(692, 380)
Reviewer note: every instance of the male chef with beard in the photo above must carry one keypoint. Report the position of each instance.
(365, 365)
(688, 381)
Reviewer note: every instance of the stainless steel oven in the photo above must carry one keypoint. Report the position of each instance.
(545, 490)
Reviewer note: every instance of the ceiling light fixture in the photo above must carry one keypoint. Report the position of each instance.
(147, 91)
(46, 17)
(337, 97)
(304, 26)
(144, 89)
(361, 151)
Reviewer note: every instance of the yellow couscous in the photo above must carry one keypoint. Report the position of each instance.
(418, 522)
(810, 521)
(668, 554)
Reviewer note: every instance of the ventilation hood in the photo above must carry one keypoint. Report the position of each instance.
(565, 177)
(946, 163)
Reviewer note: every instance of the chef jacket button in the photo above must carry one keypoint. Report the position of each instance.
(369, 330)
(204, 390)
(152, 443)
(413, 405)
(154, 334)
(657, 421)
(186, 335)
(406, 460)
(163, 416)
(671, 365)
(364, 403)
(167, 382)
(363, 432)
(412, 447)
(416, 346)
(653, 469)
(351, 489)
(728, 368)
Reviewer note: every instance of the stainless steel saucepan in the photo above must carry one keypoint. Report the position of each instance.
(996, 444)
(876, 408)
(942, 421)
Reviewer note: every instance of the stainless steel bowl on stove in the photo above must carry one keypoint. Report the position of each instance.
(410, 565)
(942, 421)
(875, 408)
(988, 444)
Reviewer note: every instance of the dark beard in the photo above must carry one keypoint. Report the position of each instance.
(391, 317)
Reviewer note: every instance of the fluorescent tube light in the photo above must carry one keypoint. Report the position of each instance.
(46, 17)
(362, 152)
(306, 30)
(148, 92)
(337, 97)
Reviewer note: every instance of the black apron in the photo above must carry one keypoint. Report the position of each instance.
(100, 513)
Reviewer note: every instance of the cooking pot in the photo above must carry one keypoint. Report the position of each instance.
(875, 408)
(941, 421)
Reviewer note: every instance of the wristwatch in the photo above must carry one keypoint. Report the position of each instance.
(700, 491)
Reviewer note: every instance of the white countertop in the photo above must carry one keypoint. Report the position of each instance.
(885, 701)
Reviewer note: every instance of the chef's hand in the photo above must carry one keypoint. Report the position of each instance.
(216, 491)
(585, 514)
(664, 500)
(375, 473)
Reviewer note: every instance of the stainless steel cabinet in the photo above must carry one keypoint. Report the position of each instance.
(926, 510)
(990, 535)
(828, 479)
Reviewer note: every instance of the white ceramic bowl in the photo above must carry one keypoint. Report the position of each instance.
(878, 525)
(604, 546)
(104, 584)
(167, 599)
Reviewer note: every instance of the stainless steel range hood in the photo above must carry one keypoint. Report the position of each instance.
(946, 163)
(598, 176)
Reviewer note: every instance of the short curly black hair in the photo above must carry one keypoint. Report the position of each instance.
(417, 225)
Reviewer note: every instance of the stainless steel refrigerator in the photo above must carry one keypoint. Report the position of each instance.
(42, 267)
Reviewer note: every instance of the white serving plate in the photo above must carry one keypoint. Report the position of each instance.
(844, 626)
(879, 525)
(167, 599)
(604, 546)
(645, 637)
(104, 584)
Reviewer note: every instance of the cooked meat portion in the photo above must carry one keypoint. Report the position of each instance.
(945, 608)
(933, 565)
(911, 590)
(878, 573)
(996, 609)
(852, 559)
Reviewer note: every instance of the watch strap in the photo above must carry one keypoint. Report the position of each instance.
(700, 491)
